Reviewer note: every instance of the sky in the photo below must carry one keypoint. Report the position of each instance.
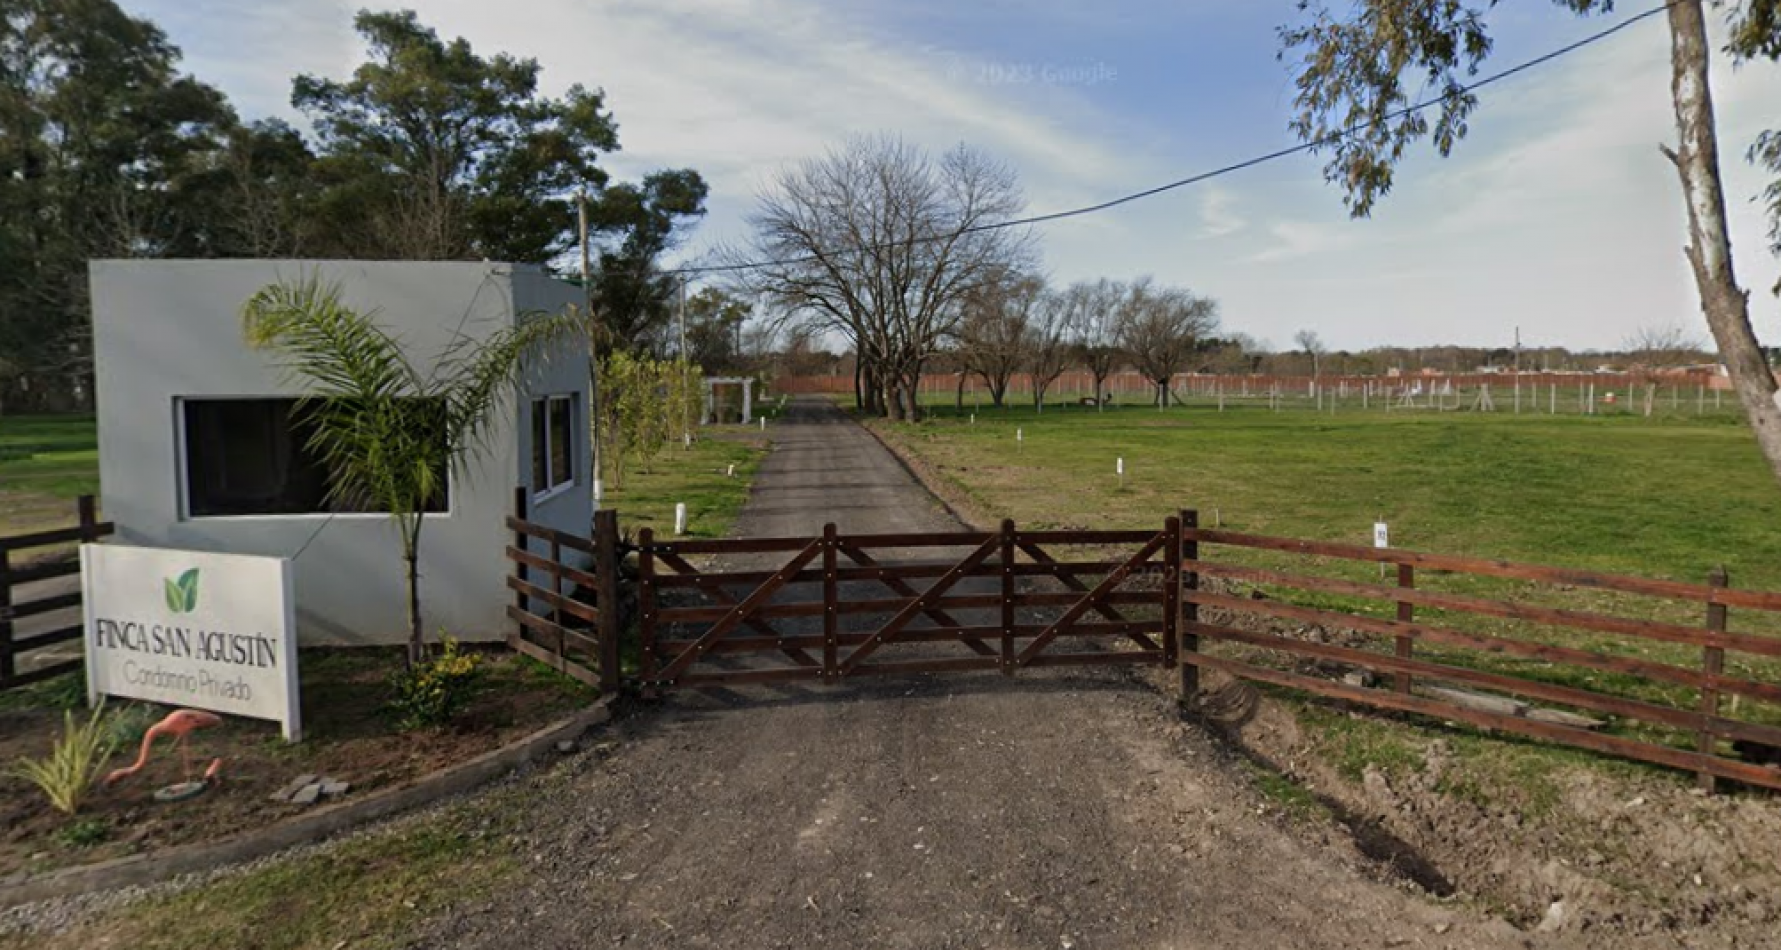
(1557, 215)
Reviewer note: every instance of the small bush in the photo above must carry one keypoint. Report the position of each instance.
(432, 692)
(84, 832)
(67, 774)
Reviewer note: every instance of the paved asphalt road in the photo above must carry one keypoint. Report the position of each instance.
(1059, 809)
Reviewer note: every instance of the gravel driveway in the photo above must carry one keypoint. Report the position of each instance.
(1059, 809)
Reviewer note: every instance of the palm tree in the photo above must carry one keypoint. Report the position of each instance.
(386, 431)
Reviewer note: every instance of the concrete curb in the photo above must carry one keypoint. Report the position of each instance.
(140, 869)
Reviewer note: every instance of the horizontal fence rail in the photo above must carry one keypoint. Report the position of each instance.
(565, 616)
(35, 589)
(1676, 657)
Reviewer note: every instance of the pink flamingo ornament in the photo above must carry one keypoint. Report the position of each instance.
(178, 724)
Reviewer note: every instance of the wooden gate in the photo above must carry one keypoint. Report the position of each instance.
(833, 606)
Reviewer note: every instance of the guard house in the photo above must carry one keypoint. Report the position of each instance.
(196, 449)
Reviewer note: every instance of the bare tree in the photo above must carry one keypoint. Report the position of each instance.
(878, 242)
(1048, 342)
(1662, 347)
(1161, 327)
(1094, 330)
(994, 332)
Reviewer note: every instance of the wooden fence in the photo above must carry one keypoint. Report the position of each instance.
(29, 588)
(1706, 680)
(575, 629)
(832, 606)
(835, 605)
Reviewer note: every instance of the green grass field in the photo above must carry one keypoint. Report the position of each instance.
(45, 463)
(699, 477)
(1670, 497)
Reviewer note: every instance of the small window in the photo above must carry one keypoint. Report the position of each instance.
(252, 457)
(553, 443)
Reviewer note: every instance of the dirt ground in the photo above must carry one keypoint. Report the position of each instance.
(1062, 809)
(348, 738)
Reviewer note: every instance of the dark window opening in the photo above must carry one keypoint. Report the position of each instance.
(252, 457)
(553, 443)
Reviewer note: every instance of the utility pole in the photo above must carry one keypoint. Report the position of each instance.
(593, 338)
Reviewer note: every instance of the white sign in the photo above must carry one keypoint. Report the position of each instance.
(192, 628)
(1381, 535)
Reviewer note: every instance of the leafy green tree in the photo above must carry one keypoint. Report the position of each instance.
(431, 151)
(714, 321)
(389, 430)
(637, 225)
(98, 134)
(1355, 72)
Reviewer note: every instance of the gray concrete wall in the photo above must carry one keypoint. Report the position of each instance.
(165, 330)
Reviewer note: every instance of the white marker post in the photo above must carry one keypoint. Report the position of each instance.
(1020, 438)
(599, 489)
(763, 423)
(1381, 540)
(680, 517)
(1119, 469)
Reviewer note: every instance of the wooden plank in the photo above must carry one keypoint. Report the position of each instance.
(830, 598)
(905, 667)
(574, 608)
(1712, 667)
(553, 660)
(1564, 735)
(1110, 538)
(606, 566)
(746, 677)
(1673, 674)
(692, 578)
(1677, 590)
(7, 666)
(810, 641)
(586, 579)
(1007, 542)
(898, 586)
(38, 539)
(1189, 686)
(646, 608)
(1094, 596)
(564, 635)
(74, 631)
(1406, 644)
(41, 673)
(747, 606)
(1108, 658)
(1551, 616)
(1548, 692)
(732, 546)
(1172, 555)
(520, 526)
(45, 571)
(42, 605)
(931, 539)
(929, 598)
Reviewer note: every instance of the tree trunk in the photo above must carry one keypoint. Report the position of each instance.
(411, 555)
(1100, 385)
(958, 402)
(1709, 251)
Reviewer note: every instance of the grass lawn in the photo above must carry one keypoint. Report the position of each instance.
(1671, 497)
(700, 477)
(45, 463)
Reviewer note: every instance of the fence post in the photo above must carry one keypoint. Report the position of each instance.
(89, 519)
(606, 561)
(646, 607)
(1171, 591)
(1406, 614)
(831, 601)
(1712, 665)
(7, 668)
(520, 497)
(1188, 631)
(1007, 596)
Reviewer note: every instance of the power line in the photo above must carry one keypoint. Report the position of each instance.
(1224, 170)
